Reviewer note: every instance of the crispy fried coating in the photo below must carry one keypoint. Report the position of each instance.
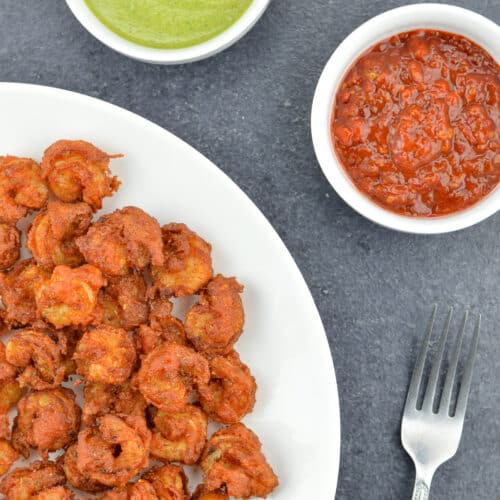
(10, 245)
(169, 482)
(163, 327)
(230, 393)
(169, 374)
(114, 450)
(17, 289)
(8, 455)
(140, 490)
(123, 301)
(78, 171)
(46, 420)
(76, 478)
(102, 399)
(215, 323)
(233, 459)
(21, 188)
(10, 393)
(38, 355)
(179, 437)
(105, 354)
(7, 370)
(55, 493)
(188, 264)
(123, 240)
(51, 237)
(69, 296)
(201, 493)
(24, 483)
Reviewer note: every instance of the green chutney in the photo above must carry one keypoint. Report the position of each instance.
(168, 24)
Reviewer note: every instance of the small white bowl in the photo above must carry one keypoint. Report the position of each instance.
(168, 56)
(426, 16)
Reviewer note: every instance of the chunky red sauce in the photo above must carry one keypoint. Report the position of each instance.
(416, 123)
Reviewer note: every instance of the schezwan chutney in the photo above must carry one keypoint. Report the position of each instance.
(416, 123)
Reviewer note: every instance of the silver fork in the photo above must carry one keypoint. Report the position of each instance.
(432, 438)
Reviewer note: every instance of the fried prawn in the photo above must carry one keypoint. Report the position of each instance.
(215, 323)
(123, 240)
(46, 420)
(69, 296)
(114, 450)
(233, 459)
(78, 171)
(22, 188)
(51, 237)
(188, 265)
(169, 374)
(105, 354)
(181, 436)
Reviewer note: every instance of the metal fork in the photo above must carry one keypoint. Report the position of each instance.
(432, 438)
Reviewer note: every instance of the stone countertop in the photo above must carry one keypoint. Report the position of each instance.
(248, 110)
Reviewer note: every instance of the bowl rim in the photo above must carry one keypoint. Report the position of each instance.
(168, 56)
(445, 17)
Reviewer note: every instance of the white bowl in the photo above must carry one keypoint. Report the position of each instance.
(168, 56)
(427, 16)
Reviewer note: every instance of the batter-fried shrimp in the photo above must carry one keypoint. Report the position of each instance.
(102, 399)
(201, 493)
(8, 455)
(140, 490)
(123, 302)
(51, 238)
(24, 483)
(105, 354)
(188, 265)
(47, 420)
(39, 357)
(233, 459)
(169, 374)
(73, 474)
(163, 327)
(179, 437)
(17, 292)
(114, 450)
(69, 296)
(55, 493)
(215, 323)
(169, 482)
(230, 394)
(21, 188)
(78, 171)
(10, 245)
(125, 239)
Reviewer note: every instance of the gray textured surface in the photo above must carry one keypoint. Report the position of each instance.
(248, 111)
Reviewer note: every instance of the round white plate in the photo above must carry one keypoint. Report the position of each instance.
(284, 342)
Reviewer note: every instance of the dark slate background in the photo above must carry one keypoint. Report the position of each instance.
(248, 110)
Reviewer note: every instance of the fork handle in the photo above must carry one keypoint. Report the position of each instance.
(421, 490)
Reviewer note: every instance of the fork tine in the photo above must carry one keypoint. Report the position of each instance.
(444, 405)
(430, 392)
(463, 395)
(416, 379)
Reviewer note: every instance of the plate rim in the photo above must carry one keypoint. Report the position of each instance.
(6, 87)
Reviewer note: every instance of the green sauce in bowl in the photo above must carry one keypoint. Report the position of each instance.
(168, 24)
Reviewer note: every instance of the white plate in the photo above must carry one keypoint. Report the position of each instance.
(168, 56)
(284, 343)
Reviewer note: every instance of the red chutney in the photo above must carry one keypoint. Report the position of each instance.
(416, 123)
